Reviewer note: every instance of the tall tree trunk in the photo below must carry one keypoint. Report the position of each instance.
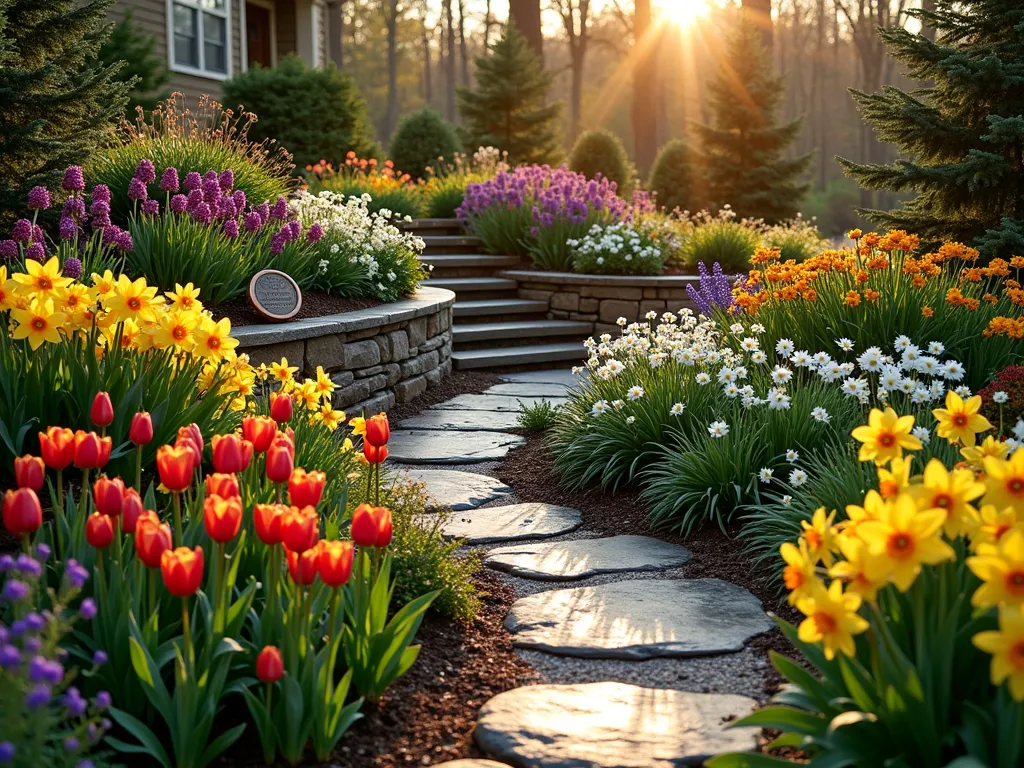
(525, 14)
(576, 105)
(488, 23)
(645, 77)
(428, 64)
(449, 63)
(391, 19)
(463, 51)
(819, 93)
(760, 13)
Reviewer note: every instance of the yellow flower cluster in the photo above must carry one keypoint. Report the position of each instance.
(913, 522)
(315, 395)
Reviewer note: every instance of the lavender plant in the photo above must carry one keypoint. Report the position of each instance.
(714, 290)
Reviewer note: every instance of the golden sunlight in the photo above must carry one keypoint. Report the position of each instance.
(682, 12)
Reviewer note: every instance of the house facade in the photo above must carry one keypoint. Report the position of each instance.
(204, 42)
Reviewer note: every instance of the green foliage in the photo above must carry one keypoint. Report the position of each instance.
(57, 105)
(508, 109)
(601, 152)
(723, 239)
(141, 68)
(744, 152)
(420, 141)
(796, 239)
(538, 416)
(959, 136)
(832, 208)
(444, 195)
(334, 119)
(397, 199)
(673, 178)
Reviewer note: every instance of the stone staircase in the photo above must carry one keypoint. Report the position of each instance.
(493, 327)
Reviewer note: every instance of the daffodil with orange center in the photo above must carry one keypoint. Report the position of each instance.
(133, 299)
(77, 301)
(885, 436)
(307, 395)
(175, 330)
(331, 418)
(959, 421)
(43, 280)
(799, 573)
(832, 619)
(1004, 482)
(860, 571)
(213, 339)
(39, 323)
(951, 492)
(894, 478)
(905, 539)
(987, 526)
(1001, 568)
(105, 284)
(324, 386)
(283, 373)
(185, 298)
(1006, 645)
(820, 536)
(990, 446)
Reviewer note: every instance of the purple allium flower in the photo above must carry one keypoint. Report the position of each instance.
(36, 252)
(101, 192)
(8, 249)
(314, 233)
(280, 209)
(137, 190)
(75, 574)
(32, 644)
(277, 243)
(87, 609)
(239, 197)
(123, 240)
(99, 658)
(192, 181)
(145, 172)
(103, 700)
(34, 621)
(74, 180)
(151, 207)
(211, 175)
(10, 656)
(37, 234)
(100, 208)
(70, 744)
(263, 209)
(73, 208)
(179, 204)
(22, 230)
(226, 208)
(227, 180)
(38, 198)
(169, 179)
(68, 228)
(211, 189)
(6, 563)
(202, 214)
(74, 702)
(195, 197)
(231, 228)
(292, 230)
(72, 267)
(253, 221)
(6, 751)
(38, 697)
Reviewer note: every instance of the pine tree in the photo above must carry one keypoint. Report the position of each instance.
(508, 110)
(963, 131)
(56, 105)
(743, 153)
(141, 66)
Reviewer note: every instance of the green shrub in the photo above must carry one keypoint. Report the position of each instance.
(601, 152)
(723, 239)
(444, 195)
(537, 417)
(318, 114)
(421, 140)
(399, 200)
(674, 178)
(796, 239)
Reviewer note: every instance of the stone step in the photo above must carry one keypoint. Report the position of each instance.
(483, 260)
(454, 489)
(450, 244)
(469, 285)
(506, 357)
(415, 446)
(470, 333)
(490, 307)
(418, 225)
(582, 558)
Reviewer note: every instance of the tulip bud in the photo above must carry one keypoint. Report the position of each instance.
(29, 472)
(260, 431)
(231, 453)
(303, 566)
(305, 489)
(182, 569)
(108, 495)
(377, 430)
(175, 466)
(371, 526)
(267, 518)
(300, 528)
(141, 430)
(225, 486)
(102, 412)
(91, 451)
(193, 432)
(336, 562)
(269, 665)
(152, 539)
(280, 460)
(281, 407)
(57, 447)
(131, 510)
(99, 530)
(222, 518)
(22, 511)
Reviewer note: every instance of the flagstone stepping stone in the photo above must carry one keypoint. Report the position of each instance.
(457, 490)
(512, 522)
(414, 446)
(553, 376)
(578, 559)
(639, 619)
(611, 725)
(488, 421)
(493, 403)
(529, 389)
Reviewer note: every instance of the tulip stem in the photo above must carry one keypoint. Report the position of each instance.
(138, 469)
(58, 515)
(272, 598)
(280, 493)
(101, 578)
(332, 617)
(85, 492)
(186, 633)
(218, 590)
(152, 590)
(177, 519)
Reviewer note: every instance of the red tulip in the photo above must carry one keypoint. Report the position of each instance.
(231, 453)
(305, 489)
(91, 450)
(222, 517)
(260, 431)
(281, 407)
(336, 562)
(303, 566)
(267, 518)
(371, 526)
(102, 412)
(186, 441)
(29, 472)
(57, 446)
(193, 432)
(182, 569)
(22, 511)
(175, 466)
(300, 528)
(141, 430)
(373, 454)
(280, 460)
(99, 530)
(225, 486)
(152, 539)
(131, 510)
(269, 665)
(378, 431)
(108, 495)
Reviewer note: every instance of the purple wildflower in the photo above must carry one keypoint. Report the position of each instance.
(145, 172)
(87, 609)
(74, 180)
(239, 197)
(231, 228)
(72, 267)
(28, 565)
(714, 289)
(169, 179)
(38, 697)
(8, 249)
(123, 240)
(19, 627)
(151, 207)
(227, 180)
(36, 252)
(263, 209)
(103, 700)
(6, 751)
(75, 573)
(6, 563)
(211, 175)
(38, 198)
(179, 204)
(43, 551)
(137, 190)
(37, 234)
(192, 181)
(101, 192)
(253, 221)
(195, 197)
(280, 209)
(201, 213)
(211, 189)
(226, 208)
(74, 207)
(42, 670)
(68, 228)
(277, 243)
(10, 656)
(74, 702)
(314, 233)
(99, 658)
(294, 229)
(22, 230)
(86, 764)
(70, 744)
(32, 644)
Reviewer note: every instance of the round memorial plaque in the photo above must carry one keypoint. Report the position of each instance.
(274, 295)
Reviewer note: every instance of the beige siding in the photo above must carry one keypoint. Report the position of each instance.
(285, 20)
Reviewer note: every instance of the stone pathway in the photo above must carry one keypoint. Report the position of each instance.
(638, 657)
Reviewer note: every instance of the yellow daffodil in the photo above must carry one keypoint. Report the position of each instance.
(1004, 481)
(885, 436)
(8, 290)
(262, 372)
(43, 280)
(104, 284)
(185, 298)
(799, 574)
(832, 619)
(1007, 648)
(130, 333)
(133, 299)
(951, 492)
(1001, 568)
(38, 323)
(358, 424)
(324, 385)
(990, 524)
(990, 446)
(175, 330)
(331, 418)
(307, 394)
(894, 478)
(282, 372)
(75, 298)
(213, 338)
(346, 446)
(873, 507)
(960, 421)
(860, 571)
(820, 536)
(906, 539)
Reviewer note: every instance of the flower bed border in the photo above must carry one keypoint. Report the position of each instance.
(377, 356)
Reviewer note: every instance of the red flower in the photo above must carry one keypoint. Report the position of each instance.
(175, 466)
(131, 510)
(152, 539)
(373, 454)
(305, 489)
(280, 460)
(225, 486)
(22, 511)
(269, 664)
(91, 450)
(57, 446)
(303, 566)
(102, 412)
(108, 495)
(29, 472)
(193, 432)
(222, 517)
(141, 430)
(300, 528)
(267, 518)
(281, 407)
(231, 453)
(99, 530)
(185, 441)
(182, 569)
(336, 562)
(371, 526)
(260, 431)
(378, 431)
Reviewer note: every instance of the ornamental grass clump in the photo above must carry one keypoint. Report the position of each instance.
(721, 238)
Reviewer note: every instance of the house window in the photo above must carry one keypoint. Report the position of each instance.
(199, 32)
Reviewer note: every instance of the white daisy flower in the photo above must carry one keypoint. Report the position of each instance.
(952, 370)
(702, 378)
(618, 405)
(870, 359)
(677, 409)
(845, 344)
(822, 358)
(903, 343)
(963, 390)
(781, 375)
(731, 390)
(601, 406)
(759, 357)
(935, 348)
(801, 359)
(750, 344)
(736, 328)
(757, 328)
(718, 429)
(630, 419)
(765, 475)
(820, 414)
(621, 322)
(778, 400)
(792, 455)
(797, 478)
(1012, 444)
(635, 392)
(726, 375)
(785, 348)
(1000, 397)
(923, 434)
(787, 499)
(1018, 429)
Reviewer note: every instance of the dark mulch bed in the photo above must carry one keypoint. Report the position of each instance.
(455, 383)
(314, 304)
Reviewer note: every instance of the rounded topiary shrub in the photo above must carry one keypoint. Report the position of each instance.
(601, 152)
(420, 140)
(316, 114)
(674, 177)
